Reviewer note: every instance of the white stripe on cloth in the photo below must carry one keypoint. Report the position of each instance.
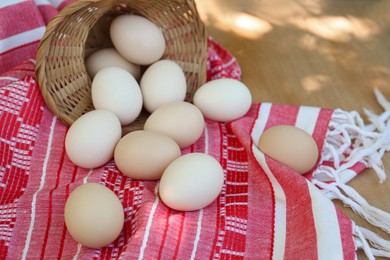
(56, 3)
(149, 224)
(307, 118)
(5, 3)
(21, 39)
(197, 236)
(329, 244)
(76, 256)
(259, 126)
(41, 184)
(200, 216)
(280, 207)
(280, 197)
(42, 2)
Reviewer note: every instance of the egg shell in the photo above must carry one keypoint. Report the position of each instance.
(109, 57)
(144, 155)
(181, 121)
(223, 99)
(91, 139)
(114, 89)
(191, 182)
(94, 215)
(162, 82)
(137, 39)
(291, 146)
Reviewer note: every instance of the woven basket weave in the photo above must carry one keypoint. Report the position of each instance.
(83, 27)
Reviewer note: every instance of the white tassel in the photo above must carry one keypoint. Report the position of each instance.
(363, 238)
(358, 204)
(381, 247)
(361, 242)
(348, 142)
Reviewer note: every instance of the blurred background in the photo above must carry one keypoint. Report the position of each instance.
(325, 53)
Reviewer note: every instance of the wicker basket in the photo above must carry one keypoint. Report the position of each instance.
(83, 27)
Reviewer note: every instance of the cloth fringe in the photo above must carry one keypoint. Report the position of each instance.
(372, 244)
(350, 141)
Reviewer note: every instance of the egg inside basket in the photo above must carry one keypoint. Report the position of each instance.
(83, 27)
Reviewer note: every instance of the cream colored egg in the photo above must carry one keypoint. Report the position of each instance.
(91, 139)
(181, 121)
(94, 215)
(144, 155)
(114, 89)
(109, 57)
(137, 39)
(191, 182)
(291, 146)
(223, 99)
(163, 82)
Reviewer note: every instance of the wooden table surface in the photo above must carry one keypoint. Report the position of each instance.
(325, 53)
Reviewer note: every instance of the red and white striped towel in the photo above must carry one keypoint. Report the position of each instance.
(265, 210)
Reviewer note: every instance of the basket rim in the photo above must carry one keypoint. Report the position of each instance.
(44, 47)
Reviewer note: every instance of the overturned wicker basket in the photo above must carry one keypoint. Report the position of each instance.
(83, 27)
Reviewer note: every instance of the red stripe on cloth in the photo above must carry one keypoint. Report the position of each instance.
(179, 234)
(17, 55)
(220, 227)
(14, 19)
(261, 201)
(346, 231)
(282, 115)
(47, 12)
(164, 236)
(236, 199)
(301, 235)
(50, 209)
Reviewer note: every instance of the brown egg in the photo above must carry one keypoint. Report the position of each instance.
(291, 146)
(144, 155)
(180, 120)
(94, 215)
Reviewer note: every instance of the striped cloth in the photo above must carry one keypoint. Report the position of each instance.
(265, 210)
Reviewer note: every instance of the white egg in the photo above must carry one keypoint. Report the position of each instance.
(109, 57)
(91, 139)
(137, 39)
(223, 100)
(180, 120)
(163, 82)
(116, 90)
(191, 182)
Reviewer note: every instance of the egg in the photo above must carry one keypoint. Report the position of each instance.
(163, 82)
(223, 99)
(114, 89)
(91, 139)
(109, 57)
(191, 182)
(137, 39)
(182, 121)
(94, 215)
(144, 155)
(291, 146)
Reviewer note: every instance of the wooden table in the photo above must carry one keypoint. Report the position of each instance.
(325, 53)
